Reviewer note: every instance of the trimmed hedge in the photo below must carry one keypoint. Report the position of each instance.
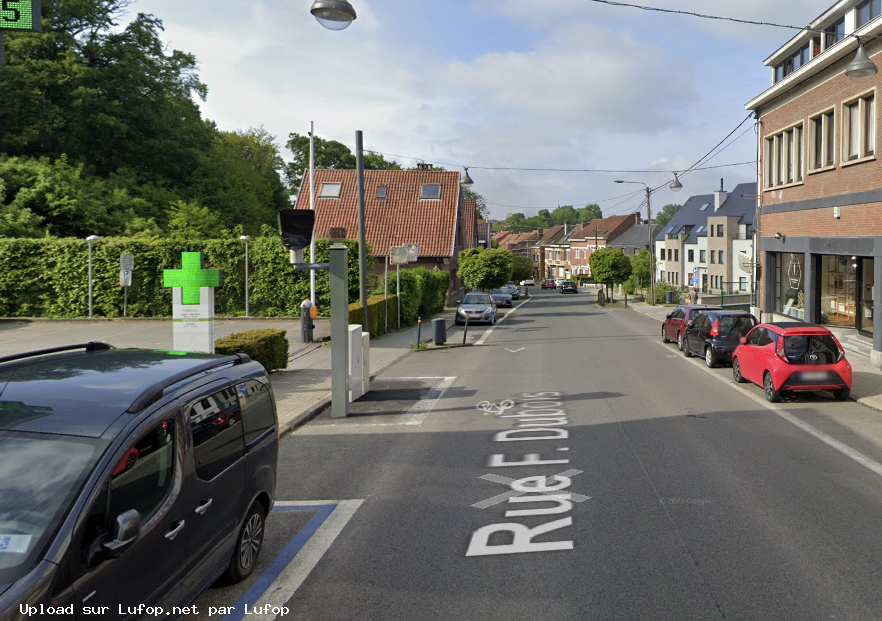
(268, 347)
(376, 314)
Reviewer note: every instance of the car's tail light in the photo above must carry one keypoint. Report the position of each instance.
(780, 350)
(841, 350)
(715, 329)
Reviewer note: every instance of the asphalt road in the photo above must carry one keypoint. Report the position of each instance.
(676, 494)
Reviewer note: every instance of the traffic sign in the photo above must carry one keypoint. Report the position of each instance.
(125, 278)
(127, 262)
(20, 15)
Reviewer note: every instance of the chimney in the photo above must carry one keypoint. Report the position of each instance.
(637, 218)
(719, 197)
(541, 232)
(566, 228)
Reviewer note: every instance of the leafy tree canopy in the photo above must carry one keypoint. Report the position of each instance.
(665, 215)
(521, 267)
(609, 266)
(589, 213)
(329, 154)
(565, 215)
(486, 269)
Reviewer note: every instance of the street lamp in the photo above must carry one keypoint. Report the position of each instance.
(89, 240)
(464, 179)
(676, 186)
(333, 14)
(861, 69)
(246, 239)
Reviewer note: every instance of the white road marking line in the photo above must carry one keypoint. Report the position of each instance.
(484, 336)
(830, 441)
(310, 554)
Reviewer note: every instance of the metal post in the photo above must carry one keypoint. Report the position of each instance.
(651, 250)
(419, 325)
(362, 244)
(386, 293)
(125, 301)
(312, 207)
(247, 299)
(339, 332)
(90, 278)
(465, 330)
(398, 292)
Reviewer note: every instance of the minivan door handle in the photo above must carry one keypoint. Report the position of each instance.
(201, 509)
(174, 533)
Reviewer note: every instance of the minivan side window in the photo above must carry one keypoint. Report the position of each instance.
(257, 407)
(216, 426)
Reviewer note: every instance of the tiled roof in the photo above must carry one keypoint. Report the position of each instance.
(400, 218)
(470, 217)
(606, 225)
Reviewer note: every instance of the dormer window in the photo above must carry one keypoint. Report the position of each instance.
(431, 191)
(330, 190)
(834, 33)
(381, 192)
(867, 10)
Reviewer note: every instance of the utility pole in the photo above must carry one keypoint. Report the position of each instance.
(651, 250)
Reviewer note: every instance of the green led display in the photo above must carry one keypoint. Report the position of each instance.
(191, 277)
(20, 15)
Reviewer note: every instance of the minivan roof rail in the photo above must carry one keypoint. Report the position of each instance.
(154, 392)
(90, 346)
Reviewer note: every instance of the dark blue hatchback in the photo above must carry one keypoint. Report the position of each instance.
(715, 334)
(130, 476)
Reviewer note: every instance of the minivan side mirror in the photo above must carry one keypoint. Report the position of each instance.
(125, 532)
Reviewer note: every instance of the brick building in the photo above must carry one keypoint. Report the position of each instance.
(820, 183)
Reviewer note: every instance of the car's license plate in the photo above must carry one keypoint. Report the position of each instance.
(815, 376)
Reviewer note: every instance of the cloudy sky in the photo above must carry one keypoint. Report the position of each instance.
(500, 84)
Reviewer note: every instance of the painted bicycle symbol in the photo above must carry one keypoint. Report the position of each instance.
(492, 408)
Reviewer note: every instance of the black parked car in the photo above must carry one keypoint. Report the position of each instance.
(130, 476)
(569, 286)
(715, 334)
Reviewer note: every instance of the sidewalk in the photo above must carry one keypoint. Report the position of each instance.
(866, 382)
(304, 388)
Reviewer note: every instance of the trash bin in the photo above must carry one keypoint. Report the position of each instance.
(307, 314)
(669, 297)
(439, 330)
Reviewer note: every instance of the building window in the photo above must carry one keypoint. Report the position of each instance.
(720, 257)
(661, 254)
(330, 190)
(431, 191)
(719, 230)
(713, 256)
(868, 10)
(382, 191)
(793, 62)
(691, 255)
(859, 128)
(784, 157)
(821, 141)
(557, 255)
(710, 230)
(670, 255)
(834, 33)
(676, 255)
(576, 256)
(789, 298)
(702, 256)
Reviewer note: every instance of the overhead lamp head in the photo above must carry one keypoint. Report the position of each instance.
(780, 236)
(333, 14)
(861, 69)
(244, 238)
(618, 181)
(92, 238)
(464, 179)
(676, 186)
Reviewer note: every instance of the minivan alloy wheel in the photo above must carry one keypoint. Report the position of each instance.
(248, 545)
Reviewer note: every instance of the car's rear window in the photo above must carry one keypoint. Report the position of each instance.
(476, 298)
(811, 349)
(40, 475)
(736, 325)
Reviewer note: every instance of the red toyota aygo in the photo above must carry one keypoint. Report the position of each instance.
(792, 356)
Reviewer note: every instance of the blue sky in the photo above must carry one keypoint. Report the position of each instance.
(499, 84)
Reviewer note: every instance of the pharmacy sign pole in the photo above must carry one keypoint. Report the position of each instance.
(193, 303)
(18, 15)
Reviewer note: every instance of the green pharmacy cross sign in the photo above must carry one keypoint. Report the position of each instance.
(191, 277)
(20, 15)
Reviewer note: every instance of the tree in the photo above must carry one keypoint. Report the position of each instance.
(609, 266)
(665, 215)
(481, 202)
(641, 267)
(191, 221)
(329, 154)
(589, 213)
(546, 217)
(486, 269)
(565, 214)
(521, 268)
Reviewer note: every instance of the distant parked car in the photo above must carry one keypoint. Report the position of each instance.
(792, 356)
(569, 286)
(513, 290)
(549, 283)
(714, 335)
(559, 281)
(678, 319)
(476, 307)
(529, 282)
(501, 297)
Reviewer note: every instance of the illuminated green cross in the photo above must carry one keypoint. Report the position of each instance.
(191, 277)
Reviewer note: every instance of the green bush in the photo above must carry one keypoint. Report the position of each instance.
(376, 314)
(631, 285)
(268, 347)
(433, 290)
(661, 288)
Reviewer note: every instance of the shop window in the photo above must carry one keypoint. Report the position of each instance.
(789, 277)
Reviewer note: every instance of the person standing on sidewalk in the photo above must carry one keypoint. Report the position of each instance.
(692, 296)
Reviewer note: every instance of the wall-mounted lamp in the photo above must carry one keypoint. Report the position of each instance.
(780, 236)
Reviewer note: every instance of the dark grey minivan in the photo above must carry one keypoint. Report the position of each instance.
(130, 477)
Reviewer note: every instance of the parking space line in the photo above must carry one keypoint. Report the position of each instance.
(294, 563)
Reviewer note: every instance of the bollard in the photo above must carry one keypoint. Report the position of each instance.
(465, 330)
(419, 326)
(439, 330)
(307, 313)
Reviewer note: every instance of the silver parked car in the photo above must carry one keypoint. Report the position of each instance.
(476, 307)
(501, 297)
(513, 290)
